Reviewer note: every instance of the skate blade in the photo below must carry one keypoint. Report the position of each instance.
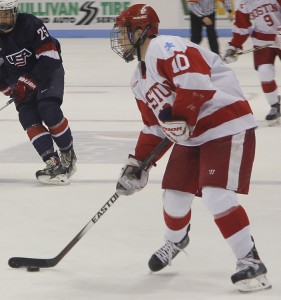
(253, 285)
(74, 169)
(61, 179)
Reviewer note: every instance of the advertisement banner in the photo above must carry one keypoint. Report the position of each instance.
(75, 14)
(96, 18)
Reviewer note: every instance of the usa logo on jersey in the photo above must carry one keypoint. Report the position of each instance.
(19, 59)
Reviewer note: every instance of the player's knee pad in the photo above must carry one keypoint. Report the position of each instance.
(218, 200)
(266, 72)
(28, 116)
(177, 203)
(50, 111)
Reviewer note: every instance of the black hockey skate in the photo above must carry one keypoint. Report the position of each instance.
(251, 273)
(273, 117)
(54, 173)
(68, 161)
(163, 257)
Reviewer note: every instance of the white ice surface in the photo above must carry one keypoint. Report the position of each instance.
(110, 261)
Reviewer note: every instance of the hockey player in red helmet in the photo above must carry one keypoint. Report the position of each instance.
(186, 93)
(123, 40)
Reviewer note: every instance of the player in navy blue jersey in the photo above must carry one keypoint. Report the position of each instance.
(32, 73)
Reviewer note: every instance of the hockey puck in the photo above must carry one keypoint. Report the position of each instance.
(33, 269)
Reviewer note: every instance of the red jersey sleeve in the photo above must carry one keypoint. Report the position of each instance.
(241, 29)
(188, 72)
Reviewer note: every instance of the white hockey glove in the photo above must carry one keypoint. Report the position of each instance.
(128, 182)
(278, 37)
(230, 54)
(176, 131)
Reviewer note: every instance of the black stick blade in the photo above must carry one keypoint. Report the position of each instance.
(20, 262)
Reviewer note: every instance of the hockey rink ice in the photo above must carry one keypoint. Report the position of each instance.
(110, 261)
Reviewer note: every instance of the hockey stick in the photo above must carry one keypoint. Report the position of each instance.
(7, 103)
(18, 262)
(252, 50)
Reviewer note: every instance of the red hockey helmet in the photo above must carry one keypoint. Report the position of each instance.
(138, 16)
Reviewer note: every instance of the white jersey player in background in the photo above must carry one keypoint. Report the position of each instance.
(186, 93)
(260, 19)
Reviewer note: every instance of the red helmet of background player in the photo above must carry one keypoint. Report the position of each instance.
(138, 16)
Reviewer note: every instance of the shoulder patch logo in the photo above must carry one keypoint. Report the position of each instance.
(168, 46)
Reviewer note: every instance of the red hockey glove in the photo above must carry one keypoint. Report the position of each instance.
(6, 90)
(24, 88)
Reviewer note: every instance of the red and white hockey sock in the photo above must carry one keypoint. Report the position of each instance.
(235, 228)
(177, 214)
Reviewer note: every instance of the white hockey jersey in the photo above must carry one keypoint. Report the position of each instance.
(259, 18)
(196, 85)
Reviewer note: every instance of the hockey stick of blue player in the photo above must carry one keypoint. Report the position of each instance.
(253, 49)
(7, 103)
(36, 263)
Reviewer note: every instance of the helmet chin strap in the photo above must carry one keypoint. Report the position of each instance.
(129, 56)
